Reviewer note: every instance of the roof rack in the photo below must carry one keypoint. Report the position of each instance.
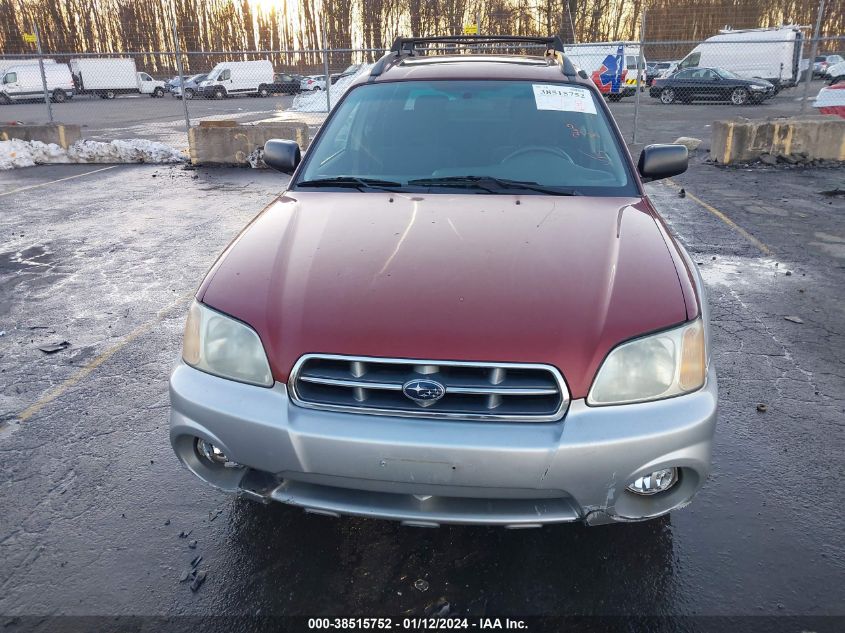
(406, 46)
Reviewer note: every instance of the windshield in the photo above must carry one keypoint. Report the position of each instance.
(400, 133)
(727, 74)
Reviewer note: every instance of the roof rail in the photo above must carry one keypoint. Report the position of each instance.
(407, 46)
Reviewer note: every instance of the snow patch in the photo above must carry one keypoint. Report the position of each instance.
(315, 101)
(16, 153)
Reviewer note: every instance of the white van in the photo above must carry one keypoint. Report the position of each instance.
(773, 54)
(238, 78)
(24, 82)
(611, 65)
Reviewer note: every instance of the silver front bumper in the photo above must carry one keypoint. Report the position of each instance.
(428, 472)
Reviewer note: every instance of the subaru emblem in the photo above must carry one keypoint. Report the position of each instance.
(423, 391)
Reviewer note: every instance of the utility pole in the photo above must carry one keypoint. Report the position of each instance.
(43, 72)
(640, 76)
(326, 62)
(814, 48)
(177, 47)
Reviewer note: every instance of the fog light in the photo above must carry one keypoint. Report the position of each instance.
(652, 483)
(214, 455)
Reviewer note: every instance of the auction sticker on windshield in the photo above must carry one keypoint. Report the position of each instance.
(565, 98)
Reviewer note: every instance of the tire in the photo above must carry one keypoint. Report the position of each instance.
(158, 93)
(263, 91)
(220, 93)
(109, 94)
(317, 89)
(740, 96)
(667, 96)
(59, 96)
(189, 94)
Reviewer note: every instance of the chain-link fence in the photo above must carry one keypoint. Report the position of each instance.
(157, 78)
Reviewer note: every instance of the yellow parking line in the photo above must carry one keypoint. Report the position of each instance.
(724, 218)
(85, 371)
(53, 182)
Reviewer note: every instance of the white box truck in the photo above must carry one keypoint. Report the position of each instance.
(109, 77)
(228, 79)
(23, 82)
(611, 65)
(773, 54)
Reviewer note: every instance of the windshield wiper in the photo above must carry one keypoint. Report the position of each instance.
(493, 184)
(355, 182)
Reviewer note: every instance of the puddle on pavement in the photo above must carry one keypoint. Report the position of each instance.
(29, 260)
(25, 265)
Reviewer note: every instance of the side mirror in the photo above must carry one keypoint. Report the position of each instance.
(283, 155)
(661, 161)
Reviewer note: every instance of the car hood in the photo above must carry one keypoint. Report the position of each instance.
(541, 279)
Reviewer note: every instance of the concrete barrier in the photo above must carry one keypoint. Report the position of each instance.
(230, 143)
(795, 139)
(58, 133)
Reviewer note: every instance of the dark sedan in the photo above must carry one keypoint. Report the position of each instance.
(284, 83)
(710, 84)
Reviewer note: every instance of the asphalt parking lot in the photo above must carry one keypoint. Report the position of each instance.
(93, 500)
(164, 119)
(143, 117)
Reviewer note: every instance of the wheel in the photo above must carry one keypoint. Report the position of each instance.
(109, 94)
(318, 88)
(614, 97)
(220, 93)
(58, 96)
(158, 93)
(667, 96)
(189, 94)
(739, 96)
(263, 91)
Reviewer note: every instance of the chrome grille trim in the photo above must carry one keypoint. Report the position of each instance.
(493, 391)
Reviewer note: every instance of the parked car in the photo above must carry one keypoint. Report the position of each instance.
(835, 74)
(710, 84)
(191, 86)
(284, 83)
(314, 82)
(657, 69)
(822, 62)
(24, 82)
(350, 70)
(463, 309)
(831, 100)
(229, 79)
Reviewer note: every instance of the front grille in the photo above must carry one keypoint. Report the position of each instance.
(472, 391)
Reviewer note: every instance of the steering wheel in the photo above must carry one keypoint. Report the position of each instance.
(538, 149)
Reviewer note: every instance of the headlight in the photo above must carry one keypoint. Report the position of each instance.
(653, 367)
(225, 347)
(758, 87)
